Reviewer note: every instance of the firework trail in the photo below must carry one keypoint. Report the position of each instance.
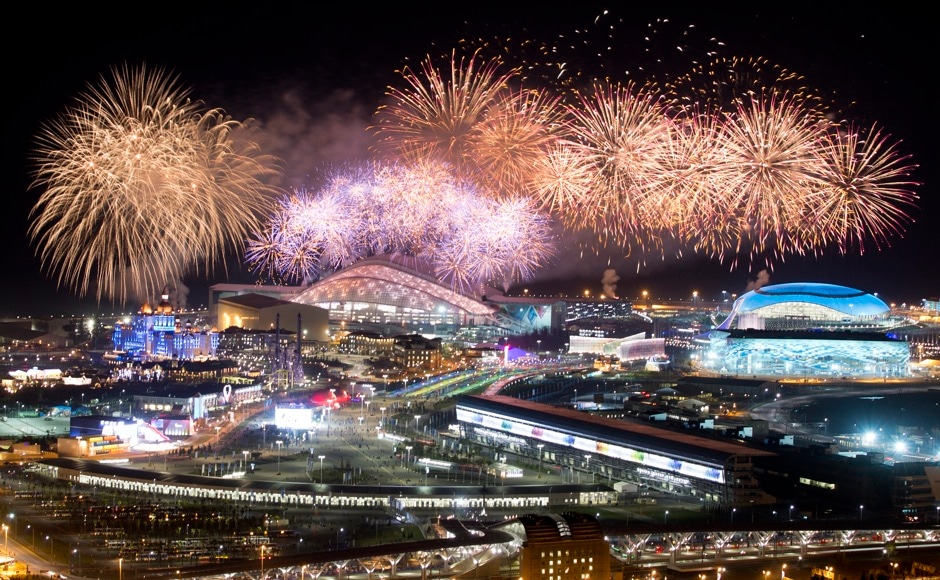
(142, 186)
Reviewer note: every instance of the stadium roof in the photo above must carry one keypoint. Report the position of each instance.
(386, 282)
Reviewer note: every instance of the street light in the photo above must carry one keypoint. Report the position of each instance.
(120, 568)
(416, 422)
(665, 517)
(732, 514)
(790, 515)
(408, 449)
(860, 508)
(540, 445)
(262, 561)
(321, 467)
(783, 572)
(279, 443)
(383, 416)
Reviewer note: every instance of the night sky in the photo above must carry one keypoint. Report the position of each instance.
(313, 79)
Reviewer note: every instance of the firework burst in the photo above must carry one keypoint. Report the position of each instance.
(424, 214)
(142, 186)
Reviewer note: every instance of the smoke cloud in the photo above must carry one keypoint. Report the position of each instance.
(609, 281)
(762, 279)
(179, 295)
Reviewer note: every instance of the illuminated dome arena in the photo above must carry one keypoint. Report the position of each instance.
(807, 330)
(801, 306)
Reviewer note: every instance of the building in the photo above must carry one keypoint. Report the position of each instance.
(808, 305)
(257, 311)
(719, 472)
(567, 546)
(808, 330)
(389, 293)
(157, 333)
(218, 292)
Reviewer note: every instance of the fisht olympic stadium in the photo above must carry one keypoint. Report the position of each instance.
(808, 330)
(395, 292)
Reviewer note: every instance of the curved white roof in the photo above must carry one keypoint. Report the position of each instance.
(384, 282)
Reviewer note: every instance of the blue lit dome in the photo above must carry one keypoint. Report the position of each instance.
(804, 305)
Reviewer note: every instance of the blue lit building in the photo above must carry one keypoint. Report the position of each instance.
(157, 333)
(808, 330)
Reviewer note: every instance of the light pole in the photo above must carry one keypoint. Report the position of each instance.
(245, 454)
(783, 572)
(860, 508)
(732, 514)
(6, 535)
(790, 515)
(120, 568)
(279, 443)
(321, 467)
(416, 422)
(383, 416)
(540, 445)
(262, 561)
(408, 449)
(665, 517)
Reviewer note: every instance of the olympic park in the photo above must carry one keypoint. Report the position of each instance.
(828, 331)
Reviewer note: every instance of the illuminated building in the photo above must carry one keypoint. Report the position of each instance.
(719, 473)
(384, 291)
(257, 311)
(808, 330)
(567, 546)
(157, 333)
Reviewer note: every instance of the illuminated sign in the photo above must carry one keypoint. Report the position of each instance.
(549, 435)
(294, 418)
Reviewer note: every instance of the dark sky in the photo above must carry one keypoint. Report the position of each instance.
(312, 80)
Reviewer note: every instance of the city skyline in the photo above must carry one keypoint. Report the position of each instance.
(313, 86)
